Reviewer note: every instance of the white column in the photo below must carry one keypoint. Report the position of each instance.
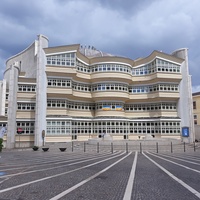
(41, 96)
(12, 105)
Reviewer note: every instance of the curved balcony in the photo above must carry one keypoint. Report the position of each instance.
(107, 113)
(81, 113)
(82, 95)
(157, 77)
(57, 111)
(111, 76)
(144, 114)
(110, 95)
(155, 96)
(82, 77)
(60, 71)
(75, 113)
(26, 114)
(59, 90)
(26, 95)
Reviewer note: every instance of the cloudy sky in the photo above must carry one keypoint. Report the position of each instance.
(130, 28)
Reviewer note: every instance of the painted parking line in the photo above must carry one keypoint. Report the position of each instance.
(56, 175)
(192, 190)
(86, 180)
(129, 187)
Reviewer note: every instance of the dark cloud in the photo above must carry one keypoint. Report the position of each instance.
(128, 7)
(128, 28)
(23, 12)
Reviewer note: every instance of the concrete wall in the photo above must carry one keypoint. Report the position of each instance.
(196, 111)
(2, 96)
(185, 110)
(197, 132)
(27, 62)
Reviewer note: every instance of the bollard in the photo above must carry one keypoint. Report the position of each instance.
(111, 147)
(126, 147)
(97, 147)
(171, 148)
(184, 146)
(194, 147)
(157, 147)
(84, 147)
(140, 147)
(72, 146)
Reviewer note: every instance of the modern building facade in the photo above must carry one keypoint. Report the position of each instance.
(196, 114)
(196, 108)
(76, 93)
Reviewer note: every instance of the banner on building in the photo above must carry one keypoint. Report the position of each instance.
(118, 108)
(106, 108)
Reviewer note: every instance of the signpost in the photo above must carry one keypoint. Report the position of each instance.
(43, 136)
(19, 132)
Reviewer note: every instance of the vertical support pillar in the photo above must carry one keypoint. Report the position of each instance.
(72, 146)
(157, 147)
(41, 94)
(184, 146)
(97, 147)
(12, 105)
(84, 146)
(126, 147)
(171, 148)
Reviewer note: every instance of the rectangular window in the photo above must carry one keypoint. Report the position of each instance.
(194, 105)
(195, 119)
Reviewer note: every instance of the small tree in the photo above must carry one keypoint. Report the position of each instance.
(1, 144)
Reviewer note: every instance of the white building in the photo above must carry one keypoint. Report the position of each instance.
(75, 93)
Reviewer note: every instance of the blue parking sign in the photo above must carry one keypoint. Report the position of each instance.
(185, 131)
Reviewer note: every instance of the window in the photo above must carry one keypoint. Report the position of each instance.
(27, 127)
(67, 59)
(194, 105)
(157, 65)
(26, 88)
(26, 106)
(195, 119)
(59, 83)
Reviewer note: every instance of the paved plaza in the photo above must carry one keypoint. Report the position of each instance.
(100, 172)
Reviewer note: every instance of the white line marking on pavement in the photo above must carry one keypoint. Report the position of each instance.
(175, 163)
(39, 164)
(49, 177)
(186, 156)
(179, 159)
(50, 168)
(86, 180)
(129, 187)
(195, 192)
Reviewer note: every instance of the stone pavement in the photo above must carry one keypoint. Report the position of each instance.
(94, 175)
